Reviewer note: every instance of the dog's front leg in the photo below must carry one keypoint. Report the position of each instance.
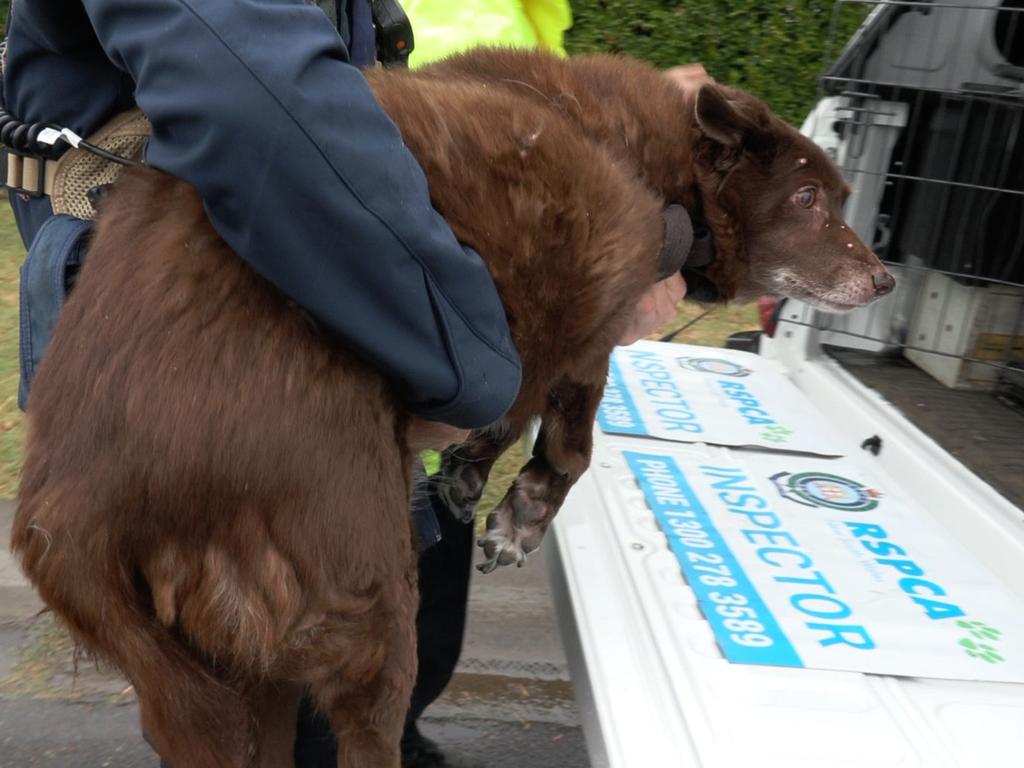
(465, 468)
(560, 456)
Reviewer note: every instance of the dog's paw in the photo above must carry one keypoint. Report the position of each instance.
(500, 549)
(514, 529)
(462, 508)
(459, 485)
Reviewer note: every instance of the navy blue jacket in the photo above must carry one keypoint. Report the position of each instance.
(255, 103)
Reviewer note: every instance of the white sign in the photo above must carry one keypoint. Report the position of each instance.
(803, 562)
(702, 395)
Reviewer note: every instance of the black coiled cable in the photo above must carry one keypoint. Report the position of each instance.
(24, 137)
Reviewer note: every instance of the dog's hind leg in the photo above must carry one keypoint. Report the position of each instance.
(366, 701)
(561, 455)
(189, 717)
(185, 742)
(277, 710)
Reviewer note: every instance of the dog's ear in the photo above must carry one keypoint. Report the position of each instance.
(732, 123)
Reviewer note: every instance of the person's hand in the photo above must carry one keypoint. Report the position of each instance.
(656, 307)
(689, 77)
(422, 434)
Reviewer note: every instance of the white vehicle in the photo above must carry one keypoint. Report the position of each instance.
(922, 399)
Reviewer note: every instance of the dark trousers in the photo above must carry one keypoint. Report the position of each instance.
(444, 571)
(444, 588)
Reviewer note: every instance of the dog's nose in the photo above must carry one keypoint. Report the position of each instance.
(884, 283)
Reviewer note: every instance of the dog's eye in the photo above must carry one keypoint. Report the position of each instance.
(805, 197)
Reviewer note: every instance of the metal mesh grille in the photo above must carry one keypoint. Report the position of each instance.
(924, 110)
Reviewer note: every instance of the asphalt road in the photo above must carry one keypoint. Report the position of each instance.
(58, 734)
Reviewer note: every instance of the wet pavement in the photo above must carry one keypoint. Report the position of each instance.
(59, 734)
(510, 703)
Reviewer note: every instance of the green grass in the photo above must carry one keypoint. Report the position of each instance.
(12, 253)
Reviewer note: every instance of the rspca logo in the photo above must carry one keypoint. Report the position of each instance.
(715, 365)
(821, 489)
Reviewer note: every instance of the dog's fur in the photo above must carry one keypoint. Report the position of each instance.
(215, 495)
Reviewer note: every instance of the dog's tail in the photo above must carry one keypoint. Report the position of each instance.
(190, 716)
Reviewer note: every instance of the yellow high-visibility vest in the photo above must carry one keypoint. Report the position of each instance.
(443, 27)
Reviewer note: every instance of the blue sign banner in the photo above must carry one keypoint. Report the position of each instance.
(716, 396)
(617, 412)
(745, 629)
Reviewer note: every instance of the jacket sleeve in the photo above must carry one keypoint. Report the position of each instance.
(253, 102)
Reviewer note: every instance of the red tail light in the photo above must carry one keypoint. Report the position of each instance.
(768, 308)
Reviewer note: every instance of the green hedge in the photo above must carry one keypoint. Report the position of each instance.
(774, 48)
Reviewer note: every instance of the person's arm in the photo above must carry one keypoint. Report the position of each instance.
(302, 173)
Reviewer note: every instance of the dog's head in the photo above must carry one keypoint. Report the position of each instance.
(780, 198)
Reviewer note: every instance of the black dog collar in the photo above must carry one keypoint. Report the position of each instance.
(690, 249)
(675, 248)
(699, 286)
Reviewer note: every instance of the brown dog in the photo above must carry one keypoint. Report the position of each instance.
(215, 496)
(771, 197)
